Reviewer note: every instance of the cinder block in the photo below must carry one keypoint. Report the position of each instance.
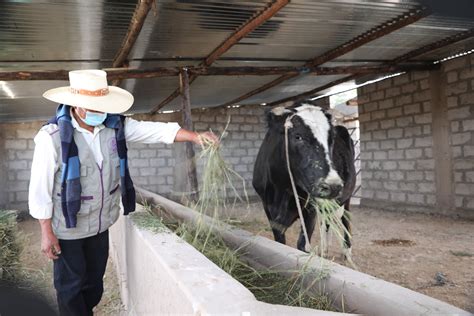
(19, 144)
(464, 189)
(430, 176)
(406, 165)
(424, 84)
(424, 95)
(395, 112)
(367, 194)
(377, 115)
(403, 99)
(384, 84)
(456, 88)
(395, 133)
(413, 131)
(379, 155)
(466, 73)
(382, 175)
(246, 144)
(377, 95)
(467, 99)
(459, 177)
(246, 128)
(415, 198)
(415, 176)
(379, 135)
(395, 155)
(452, 101)
(404, 121)
(25, 133)
(392, 92)
(389, 165)
(139, 163)
(386, 124)
(18, 164)
(410, 87)
(368, 175)
(23, 175)
(374, 165)
(425, 164)
(428, 152)
(398, 197)
(468, 151)
(147, 153)
(387, 144)
(396, 175)
(372, 126)
(148, 172)
(413, 153)
(464, 164)
(252, 120)
(381, 195)
(423, 118)
(460, 138)
(455, 126)
(426, 187)
(424, 142)
(370, 107)
(404, 143)
(252, 135)
(367, 156)
(407, 186)
(459, 201)
(385, 104)
(412, 109)
(452, 76)
(468, 125)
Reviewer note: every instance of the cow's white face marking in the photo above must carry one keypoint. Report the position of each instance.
(317, 121)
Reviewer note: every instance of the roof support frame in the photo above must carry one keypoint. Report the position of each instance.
(379, 31)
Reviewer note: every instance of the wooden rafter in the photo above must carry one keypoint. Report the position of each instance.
(127, 73)
(371, 35)
(254, 22)
(134, 28)
(403, 58)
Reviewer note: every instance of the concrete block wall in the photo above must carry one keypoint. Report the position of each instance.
(460, 115)
(416, 140)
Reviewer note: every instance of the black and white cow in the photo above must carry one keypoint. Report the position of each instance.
(321, 161)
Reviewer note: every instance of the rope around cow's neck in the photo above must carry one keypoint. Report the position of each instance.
(288, 125)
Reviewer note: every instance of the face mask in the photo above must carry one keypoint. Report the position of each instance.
(94, 119)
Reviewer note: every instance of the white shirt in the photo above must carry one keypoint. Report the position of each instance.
(45, 158)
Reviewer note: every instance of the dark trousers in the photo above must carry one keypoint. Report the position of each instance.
(79, 272)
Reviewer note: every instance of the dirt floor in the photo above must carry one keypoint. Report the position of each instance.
(39, 270)
(429, 254)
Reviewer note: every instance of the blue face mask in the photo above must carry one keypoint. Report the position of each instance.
(94, 119)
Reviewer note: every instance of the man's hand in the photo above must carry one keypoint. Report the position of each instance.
(206, 137)
(49, 243)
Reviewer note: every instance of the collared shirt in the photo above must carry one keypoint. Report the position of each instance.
(45, 157)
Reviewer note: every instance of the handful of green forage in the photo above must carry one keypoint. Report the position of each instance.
(218, 178)
(329, 216)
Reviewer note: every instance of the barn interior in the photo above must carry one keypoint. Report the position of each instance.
(201, 62)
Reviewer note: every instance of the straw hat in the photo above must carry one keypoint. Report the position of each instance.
(89, 89)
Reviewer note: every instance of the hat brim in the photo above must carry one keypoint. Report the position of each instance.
(117, 100)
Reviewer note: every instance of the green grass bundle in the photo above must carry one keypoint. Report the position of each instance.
(329, 214)
(218, 179)
(10, 247)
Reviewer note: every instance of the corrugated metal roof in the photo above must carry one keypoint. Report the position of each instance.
(72, 34)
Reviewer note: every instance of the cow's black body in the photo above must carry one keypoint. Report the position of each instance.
(271, 179)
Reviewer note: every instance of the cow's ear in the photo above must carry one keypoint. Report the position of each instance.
(276, 115)
(329, 116)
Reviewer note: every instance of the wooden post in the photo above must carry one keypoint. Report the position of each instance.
(188, 124)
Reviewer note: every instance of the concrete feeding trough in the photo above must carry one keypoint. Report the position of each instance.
(160, 273)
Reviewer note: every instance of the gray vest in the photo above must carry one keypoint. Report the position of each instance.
(100, 196)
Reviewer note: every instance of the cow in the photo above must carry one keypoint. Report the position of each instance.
(321, 161)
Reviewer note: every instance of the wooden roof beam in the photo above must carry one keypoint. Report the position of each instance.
(134, 28)
(253, 23)
(379, 31)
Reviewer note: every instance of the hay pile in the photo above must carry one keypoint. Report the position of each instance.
(10, 247)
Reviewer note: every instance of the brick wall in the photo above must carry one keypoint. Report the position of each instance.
(403, 121)
(154, 167)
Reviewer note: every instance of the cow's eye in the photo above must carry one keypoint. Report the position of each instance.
(298, 137)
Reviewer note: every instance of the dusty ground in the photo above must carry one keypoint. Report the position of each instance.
(428, 245)
(39, 270)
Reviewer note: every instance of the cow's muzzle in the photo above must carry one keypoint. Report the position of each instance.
(329, 191)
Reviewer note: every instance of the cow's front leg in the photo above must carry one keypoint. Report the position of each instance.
(310, 222)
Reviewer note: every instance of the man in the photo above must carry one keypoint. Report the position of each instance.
(79, 172)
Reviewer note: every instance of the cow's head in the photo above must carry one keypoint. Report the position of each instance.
(310, 140)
